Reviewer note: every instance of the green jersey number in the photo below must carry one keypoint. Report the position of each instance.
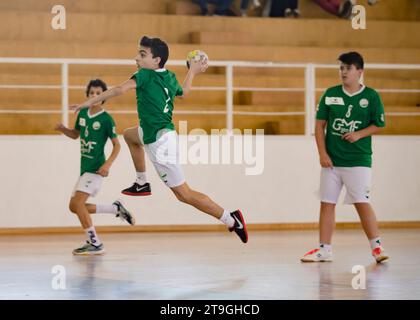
(166, 109)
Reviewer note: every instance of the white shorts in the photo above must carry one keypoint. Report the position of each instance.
(89, 183)
(357, 181)
(164, 155)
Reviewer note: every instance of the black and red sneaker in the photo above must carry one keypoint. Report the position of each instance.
(138, 190)
(239, 226)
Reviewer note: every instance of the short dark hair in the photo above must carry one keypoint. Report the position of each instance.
(96, 83)
(158, 48)
(352, 57)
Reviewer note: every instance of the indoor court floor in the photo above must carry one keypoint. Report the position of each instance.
(208, 265)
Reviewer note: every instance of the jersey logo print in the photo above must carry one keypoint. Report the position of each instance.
(96, 125)
(364, 103)
(82, 122)
(341, 126)
(334, 100)
(86, 147)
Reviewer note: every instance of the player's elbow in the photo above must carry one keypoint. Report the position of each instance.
(378, 129)
(185, 93)
(116, 145)
(320, 127)
(119, 90)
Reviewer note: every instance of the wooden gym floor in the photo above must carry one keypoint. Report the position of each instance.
(209, 265)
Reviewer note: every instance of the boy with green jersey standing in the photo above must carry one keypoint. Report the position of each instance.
(94, 126)
(347, 116)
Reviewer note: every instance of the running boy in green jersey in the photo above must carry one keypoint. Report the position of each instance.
(94, 126)
(156, 89)
(351, 113)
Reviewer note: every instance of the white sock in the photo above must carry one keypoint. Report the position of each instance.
(141, 178)
(375, 243)
(92, 236)
(227, 219)
(325, 246)
(106, 208)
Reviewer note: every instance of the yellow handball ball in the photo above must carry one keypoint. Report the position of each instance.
(196, 55)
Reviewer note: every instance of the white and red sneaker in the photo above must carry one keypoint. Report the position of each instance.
(379, 254)
(317, 255)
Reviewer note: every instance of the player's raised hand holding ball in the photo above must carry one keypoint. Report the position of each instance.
(197, 61)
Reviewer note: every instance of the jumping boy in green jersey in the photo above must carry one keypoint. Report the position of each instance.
(94, 126)
(351, 113)
(156, 89)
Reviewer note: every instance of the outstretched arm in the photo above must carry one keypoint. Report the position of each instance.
(108, 94)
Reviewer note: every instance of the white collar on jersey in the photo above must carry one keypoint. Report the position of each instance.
(96, 114)
(353, 94)
(160, 70)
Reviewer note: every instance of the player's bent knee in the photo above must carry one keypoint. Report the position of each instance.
(72, 206)
(126, 135)
(184, 197)
(75, 205)
(179, 197)
(130, 136)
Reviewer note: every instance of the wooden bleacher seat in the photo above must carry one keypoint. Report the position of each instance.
(118, 26)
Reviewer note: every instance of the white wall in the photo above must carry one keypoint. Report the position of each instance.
(38, 174)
